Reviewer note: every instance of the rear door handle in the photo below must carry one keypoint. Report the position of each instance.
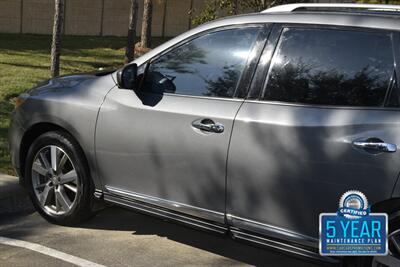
(376, 146)
(208, 125)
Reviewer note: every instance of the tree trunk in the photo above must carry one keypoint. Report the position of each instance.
(146, 24)
(130, 47)
(235, 7)
(56, 43)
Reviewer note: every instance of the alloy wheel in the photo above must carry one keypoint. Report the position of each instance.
(393, 258)
(55, 180)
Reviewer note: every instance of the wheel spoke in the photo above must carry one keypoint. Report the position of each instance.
(45, 194)
(45, 161)
(395, 240)
(38, 168)
(69, 177)
(62, 199)
(55, 180)
(389, 260)
(53, 156)
(72, 188)
(57, 203)
(40, 186)
(62, 162)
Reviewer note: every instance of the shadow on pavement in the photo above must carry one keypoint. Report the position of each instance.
(122, 220)
(26, 224)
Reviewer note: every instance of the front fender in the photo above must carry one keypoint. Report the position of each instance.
(73, 108)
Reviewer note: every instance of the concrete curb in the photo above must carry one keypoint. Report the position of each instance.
(13, 197)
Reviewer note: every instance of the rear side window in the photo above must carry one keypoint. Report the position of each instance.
(331, 67)
(210, 65)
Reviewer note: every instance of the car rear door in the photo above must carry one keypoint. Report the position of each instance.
(167, 143)
(321, 95)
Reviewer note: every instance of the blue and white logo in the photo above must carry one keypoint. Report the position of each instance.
(353, 205)
(353, 230)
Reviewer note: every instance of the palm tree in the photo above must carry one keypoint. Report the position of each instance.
(146, 24)
(130, 47)
(56, 42)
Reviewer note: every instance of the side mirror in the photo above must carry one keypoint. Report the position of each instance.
(127, 77)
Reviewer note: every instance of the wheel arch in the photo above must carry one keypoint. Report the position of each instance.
(36, 130)
(389, 206)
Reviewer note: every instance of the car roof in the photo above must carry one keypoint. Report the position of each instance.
(338, 18)
(349, 7)
(350, 19)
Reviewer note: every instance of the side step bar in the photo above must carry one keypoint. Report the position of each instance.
(239, 234)
(279, 246)
(163, 213)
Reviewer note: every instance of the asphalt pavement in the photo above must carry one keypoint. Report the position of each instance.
(117, 237)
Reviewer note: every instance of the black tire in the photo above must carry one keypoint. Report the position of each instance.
(84, 201)
(394, 224)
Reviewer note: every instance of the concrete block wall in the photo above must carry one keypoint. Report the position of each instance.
(10, 16)
(94, 17)
(83, 17)
(177, 17)
(159, 8)
(116, 16)
(37, 16)
(98, 17)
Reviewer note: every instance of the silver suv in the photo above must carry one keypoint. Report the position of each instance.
(252, 125)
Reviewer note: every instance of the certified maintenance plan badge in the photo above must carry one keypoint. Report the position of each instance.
(353, 230)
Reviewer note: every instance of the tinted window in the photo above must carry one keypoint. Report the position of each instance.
(331, 67)
(210, 65)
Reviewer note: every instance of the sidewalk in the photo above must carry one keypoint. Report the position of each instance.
(13, 198)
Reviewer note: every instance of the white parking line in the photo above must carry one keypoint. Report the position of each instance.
(48, 251)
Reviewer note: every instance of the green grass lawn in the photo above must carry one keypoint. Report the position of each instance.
(25, 61)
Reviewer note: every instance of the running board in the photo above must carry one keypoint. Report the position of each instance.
(146, 208)
(280, 246)
(237, 233)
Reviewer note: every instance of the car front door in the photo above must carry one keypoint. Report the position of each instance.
(167, 143)
(298, 147)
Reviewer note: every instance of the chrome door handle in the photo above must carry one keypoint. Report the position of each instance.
(376, 146)
(208, 126)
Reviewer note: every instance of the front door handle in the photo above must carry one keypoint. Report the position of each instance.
(208, 125)
(376, 146)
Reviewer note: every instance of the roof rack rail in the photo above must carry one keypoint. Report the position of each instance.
(333, 7)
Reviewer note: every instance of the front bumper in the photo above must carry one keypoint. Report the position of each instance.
(15, 135)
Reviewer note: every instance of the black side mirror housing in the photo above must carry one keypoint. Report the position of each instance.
(127, 77)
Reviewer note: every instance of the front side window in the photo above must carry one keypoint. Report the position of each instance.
(331, 67)
(210, 65)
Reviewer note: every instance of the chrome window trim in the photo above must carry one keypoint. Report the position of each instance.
(280, 103)
(201, 97)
